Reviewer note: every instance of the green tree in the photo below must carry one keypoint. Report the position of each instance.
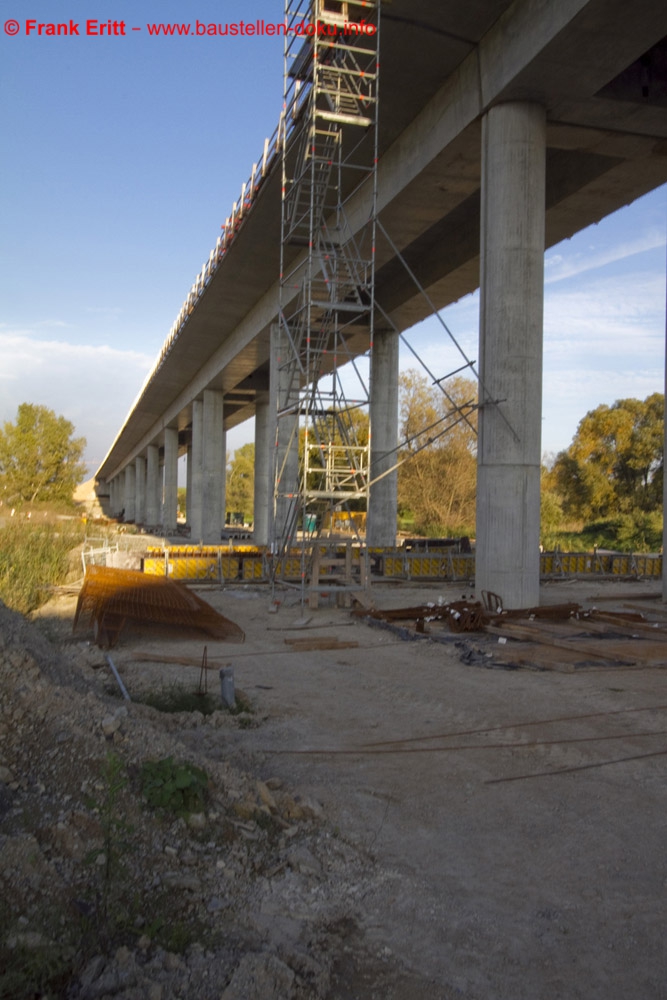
(437, 484)
(240, 488)
(39, 457)
(614, 464)
(181, 500)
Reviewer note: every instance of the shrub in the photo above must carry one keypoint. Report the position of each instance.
(180, 788)
(32, 557)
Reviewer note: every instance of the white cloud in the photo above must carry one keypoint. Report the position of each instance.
(558, 266)
(93, 386)
(607, 321)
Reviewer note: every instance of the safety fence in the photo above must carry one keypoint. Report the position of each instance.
(249, 563)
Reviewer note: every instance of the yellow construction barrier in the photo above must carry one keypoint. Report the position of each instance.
(253, 569)
(250, 563)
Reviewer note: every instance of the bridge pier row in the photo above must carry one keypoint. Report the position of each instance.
(511, 311)
(130, 492)
(140, 489)
(170, 502)
(286, 438)
(153, 491)
(263, 497)
(195, 473)
(383, 499)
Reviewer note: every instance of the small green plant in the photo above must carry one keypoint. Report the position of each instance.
(30, 972)
(179, 788)
(170, 930)
(115, 844)
(177, 698)
(242, 706)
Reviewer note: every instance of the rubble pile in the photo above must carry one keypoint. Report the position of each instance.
(250, 898)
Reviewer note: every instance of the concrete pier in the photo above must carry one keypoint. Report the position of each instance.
(213, 464)
(511, 299)
(263, 498)
(195, 476)
(381, 525)
(153, 485)
(287, 442)
(140, 489)
(130, 491)
(170, 504)
(120, 498)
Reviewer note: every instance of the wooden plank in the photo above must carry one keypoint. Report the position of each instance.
(632, 628)
(537, 634)
(212, 662)
(363, 598)
(626, 597)
(537, 656)
(308, 645)
(650, 654)
(659, 613)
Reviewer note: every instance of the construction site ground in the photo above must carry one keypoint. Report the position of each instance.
(473, 830)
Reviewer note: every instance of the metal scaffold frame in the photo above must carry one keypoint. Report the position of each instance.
(328, 304)
(327, 276)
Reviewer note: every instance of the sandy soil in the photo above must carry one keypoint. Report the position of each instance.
(490, 874)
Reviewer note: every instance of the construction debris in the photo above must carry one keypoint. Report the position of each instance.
(460, 616)
(109, 597)
(561, 637)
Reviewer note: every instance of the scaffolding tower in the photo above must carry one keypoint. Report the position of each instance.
(327, 279)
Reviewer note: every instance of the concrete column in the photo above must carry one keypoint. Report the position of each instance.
(263, 499)
(286, 452)
(213, 467)
(170, 505)
(120, 494)
(223, 490)
(195, 477)
(140, 489)
(112, 496)
(153, 485)
(188, 482)
(664, 478)
(511, 300)
(383, 501)
(130, 492)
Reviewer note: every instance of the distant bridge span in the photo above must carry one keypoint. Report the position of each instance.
(505, 126)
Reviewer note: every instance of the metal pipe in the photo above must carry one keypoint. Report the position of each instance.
(117, 676)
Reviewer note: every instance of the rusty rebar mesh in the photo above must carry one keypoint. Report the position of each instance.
(116, 594)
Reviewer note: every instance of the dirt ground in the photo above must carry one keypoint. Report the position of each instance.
(492, 832)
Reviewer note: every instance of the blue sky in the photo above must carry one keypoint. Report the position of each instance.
(122, 157)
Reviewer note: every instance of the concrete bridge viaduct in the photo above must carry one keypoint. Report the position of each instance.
(504, 127)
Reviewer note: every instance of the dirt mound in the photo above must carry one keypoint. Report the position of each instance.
(240, 891)
(85, 496)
